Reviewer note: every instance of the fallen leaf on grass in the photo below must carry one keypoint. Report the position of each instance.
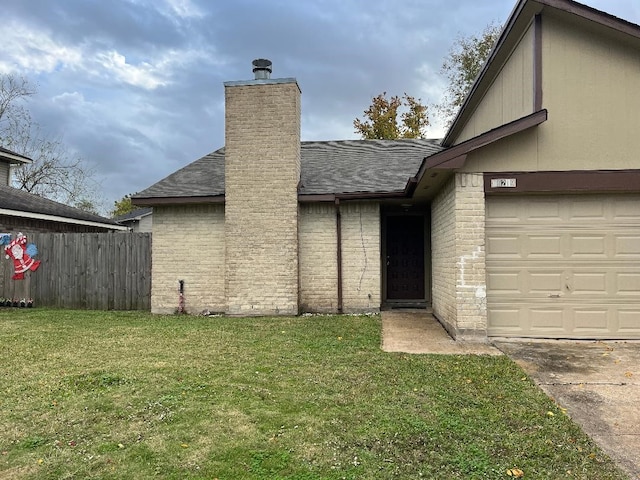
(515, 473)
(550, 414)
(184, 445)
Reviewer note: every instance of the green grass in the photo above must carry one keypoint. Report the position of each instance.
(115, 395)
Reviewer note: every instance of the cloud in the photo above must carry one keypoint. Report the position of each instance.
(143, 75)
(30, 50)
(135, 87)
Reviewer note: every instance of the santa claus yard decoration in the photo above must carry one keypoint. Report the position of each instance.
(21, 254)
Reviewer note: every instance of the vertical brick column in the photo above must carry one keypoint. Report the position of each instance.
(471, 321)
(262, 172)
(458, 252)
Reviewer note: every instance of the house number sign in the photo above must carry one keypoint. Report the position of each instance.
(503, 183)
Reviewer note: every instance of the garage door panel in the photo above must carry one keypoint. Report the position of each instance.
(625, 208)
(588, 245)
(548, 319)
(627, 246)
(506, 318)
(564, 266)
(591, 319)
(544, 246)
(586, 208)
(542, 209)
(627, 319)
(591, 283)
(504, 283)
(544, 282)
(501, 246)
(628, 284)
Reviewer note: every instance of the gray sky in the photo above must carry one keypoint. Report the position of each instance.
(135, 87)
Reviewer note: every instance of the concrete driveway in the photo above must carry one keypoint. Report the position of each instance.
(597, 382)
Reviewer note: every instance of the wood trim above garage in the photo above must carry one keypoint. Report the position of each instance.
(505, 183)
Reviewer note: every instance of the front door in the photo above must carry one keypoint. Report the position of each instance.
(405, 258)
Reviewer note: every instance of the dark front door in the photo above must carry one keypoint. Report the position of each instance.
(405, 258)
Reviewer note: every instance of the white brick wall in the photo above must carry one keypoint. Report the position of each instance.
(470, 256)
(361, 256)
(458, 252)
(318, 258)
(188, 244)
(443, 248)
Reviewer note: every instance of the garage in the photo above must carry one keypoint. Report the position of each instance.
(563, 266)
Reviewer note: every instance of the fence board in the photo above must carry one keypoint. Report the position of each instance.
(101, 271)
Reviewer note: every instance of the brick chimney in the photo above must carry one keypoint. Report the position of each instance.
(262, 172)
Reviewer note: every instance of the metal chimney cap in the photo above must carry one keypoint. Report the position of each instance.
(262, 68)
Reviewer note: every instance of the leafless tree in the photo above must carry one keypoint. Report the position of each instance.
(54, 173)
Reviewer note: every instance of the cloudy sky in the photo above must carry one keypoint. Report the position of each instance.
(135, 87)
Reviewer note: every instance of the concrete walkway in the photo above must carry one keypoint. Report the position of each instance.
(417, 331)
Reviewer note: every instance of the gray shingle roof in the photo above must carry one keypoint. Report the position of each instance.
(20, 201)
(133, 215)
(344, 166)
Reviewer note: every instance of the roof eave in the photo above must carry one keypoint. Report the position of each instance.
(14, 158)
(455, 156)
(177, 200)
(60, 219)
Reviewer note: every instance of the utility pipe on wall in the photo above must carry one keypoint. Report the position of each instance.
(339, 252)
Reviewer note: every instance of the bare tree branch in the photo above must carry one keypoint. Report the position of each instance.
(54, 173)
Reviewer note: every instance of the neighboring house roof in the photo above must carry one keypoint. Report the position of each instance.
(334, 167)
(134, 215)
(18, 203)
(13, 157)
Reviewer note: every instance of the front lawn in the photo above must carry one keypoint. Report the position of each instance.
(115, 395)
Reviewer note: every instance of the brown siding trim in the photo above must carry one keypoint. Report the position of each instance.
(537, 63)
(566, 182)
(151, 201)
(302, 198)
(332, 197)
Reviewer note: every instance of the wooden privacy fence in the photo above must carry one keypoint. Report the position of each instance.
(101, 271)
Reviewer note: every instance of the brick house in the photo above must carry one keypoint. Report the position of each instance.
(523, 221)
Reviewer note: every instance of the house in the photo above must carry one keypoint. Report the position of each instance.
(524, 221)
(24, 212)
(139, 220)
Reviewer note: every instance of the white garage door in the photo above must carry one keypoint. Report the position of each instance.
(563, 266)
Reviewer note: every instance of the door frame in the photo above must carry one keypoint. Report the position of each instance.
(400, 211)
